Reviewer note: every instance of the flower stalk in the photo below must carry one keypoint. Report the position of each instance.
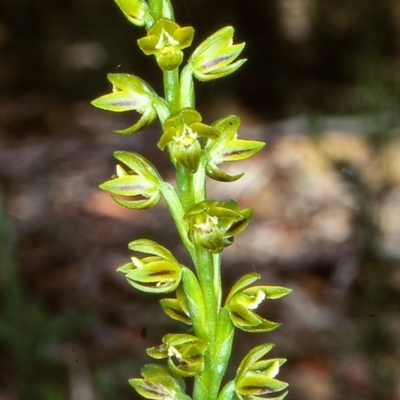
(206, 226)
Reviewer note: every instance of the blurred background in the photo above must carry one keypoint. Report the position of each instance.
(321, 86)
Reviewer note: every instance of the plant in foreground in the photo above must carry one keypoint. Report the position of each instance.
(206, 226)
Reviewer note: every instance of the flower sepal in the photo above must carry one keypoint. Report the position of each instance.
(196, 302)
(185, 353)
(159, 273)
(141, 180)
(242, 301)
(159, 383)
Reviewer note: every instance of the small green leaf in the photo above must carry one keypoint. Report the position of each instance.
(224, 338)
(196, 303)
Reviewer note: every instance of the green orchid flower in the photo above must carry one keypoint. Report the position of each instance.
(136, 11)
(228, 148)
(160, 273)
(213, 224)
(214, 58)
(159, 383)
(185, 353)
(165, 39)
(181, 133)
(132, 93)
(241, 303)
(141, 180)
(256, 377)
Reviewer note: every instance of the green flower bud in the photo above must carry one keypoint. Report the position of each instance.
(185, 353)
(159, 383)
(214, 57)
(213, 224)
(132, 93)
(165, 39)
(255, 377)
(228, 148)
(181, 133)
(241, 302)
(136, 11)
(160, 273)
(142, 180)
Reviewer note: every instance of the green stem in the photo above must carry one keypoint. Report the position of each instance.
(191, 190)
(184, 181)
(207, 385)
(187, 87)
(171, 89)
(217, 278)
(155, 7)
(199, 182)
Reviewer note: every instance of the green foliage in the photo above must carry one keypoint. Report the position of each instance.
(206, 226)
